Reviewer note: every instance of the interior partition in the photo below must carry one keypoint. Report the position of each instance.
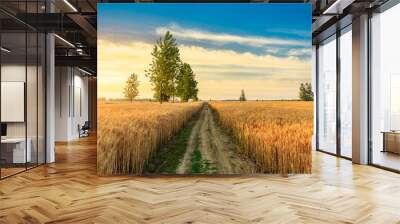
(327, 95)
(385, 89)
(346, 92)
(22, 76)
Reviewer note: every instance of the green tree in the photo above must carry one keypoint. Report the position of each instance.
(305, 92)
(242, 96)
(164, 68)
(131, 87)
(186, 84)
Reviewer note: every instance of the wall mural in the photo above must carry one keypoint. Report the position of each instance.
(204, 89)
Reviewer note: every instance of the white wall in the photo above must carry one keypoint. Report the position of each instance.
(16, 73)
(80, 109)
(71, 87)
(62, 83)
(13, 72)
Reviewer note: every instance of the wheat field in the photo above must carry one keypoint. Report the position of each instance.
(128, 133)
(275, 134)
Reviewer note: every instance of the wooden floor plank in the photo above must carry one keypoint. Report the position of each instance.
(70, 191)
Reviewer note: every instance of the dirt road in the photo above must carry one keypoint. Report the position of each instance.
(215, 148)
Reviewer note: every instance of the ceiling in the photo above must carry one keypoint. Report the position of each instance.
(332, 15)
(75, 22)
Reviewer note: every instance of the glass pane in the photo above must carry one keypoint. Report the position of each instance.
(31, 100)
(41, 99)
(13, 86)
(346, 93)
(386, 89)
(23, 90)
(395, 102)
(327, 96)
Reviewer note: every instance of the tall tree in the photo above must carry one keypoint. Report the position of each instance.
(305, 92)
(131, 87)
(164, 67)
(242, 96)
(186, 84)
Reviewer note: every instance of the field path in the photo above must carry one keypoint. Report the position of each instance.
(216, 147)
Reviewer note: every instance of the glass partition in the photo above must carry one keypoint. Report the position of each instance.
(385, 89)
(31, 98)
(22, 77)
(41, 97)
(327, 95)
(346, 92)
(14, 153)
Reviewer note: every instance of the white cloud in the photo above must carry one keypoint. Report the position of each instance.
(272, 50)
(223, 38)
(299, 52)
(300, 33)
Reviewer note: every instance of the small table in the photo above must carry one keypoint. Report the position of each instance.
(391, 141)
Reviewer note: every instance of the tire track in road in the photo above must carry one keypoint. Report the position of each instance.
(216, 146)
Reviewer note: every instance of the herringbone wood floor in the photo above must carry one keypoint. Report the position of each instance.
(69, 191)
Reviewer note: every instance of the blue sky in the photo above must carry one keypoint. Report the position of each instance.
(254, 32)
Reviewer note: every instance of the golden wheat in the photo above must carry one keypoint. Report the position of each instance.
(275, 134)
(129, 133)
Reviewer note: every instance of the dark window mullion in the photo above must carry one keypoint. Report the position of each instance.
(317, 96)
(26, 86)
(338, 80)
(369, 90)
(37, 90)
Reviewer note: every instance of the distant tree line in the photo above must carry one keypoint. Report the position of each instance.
(305, 92)
(169, 76)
